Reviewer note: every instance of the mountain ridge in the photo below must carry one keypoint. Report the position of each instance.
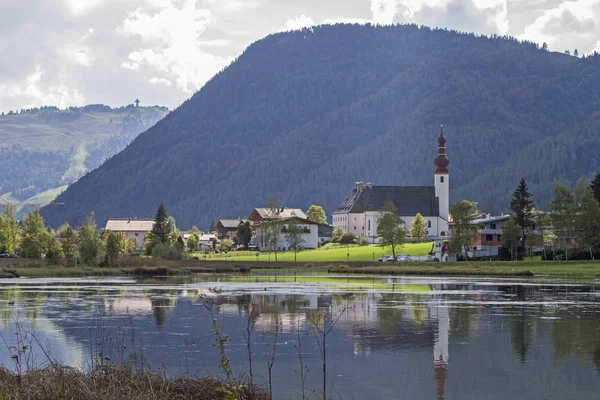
(44, 149)
(302, 115)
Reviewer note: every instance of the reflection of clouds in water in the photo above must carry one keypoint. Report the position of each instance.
(129, 305)
(59, 347)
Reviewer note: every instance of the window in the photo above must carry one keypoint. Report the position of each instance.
(136, 234)
(499, 236)
(369, 224)
(429, 224)
(493, 226)
(355, 228)
(489, 238)
(441, 179)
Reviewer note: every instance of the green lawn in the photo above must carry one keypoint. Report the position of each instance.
(329, 252)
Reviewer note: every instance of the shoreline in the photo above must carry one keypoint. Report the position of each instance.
(145, 267)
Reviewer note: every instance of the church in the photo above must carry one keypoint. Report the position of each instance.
(361, 210)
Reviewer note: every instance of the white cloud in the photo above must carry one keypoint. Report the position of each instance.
(384, 11)
(214, 43)
(82, 6)
(170, 47)
(298, 23)
(32, 92)
(160, 81)
(342, 20)
(572, 24)
(481, 16)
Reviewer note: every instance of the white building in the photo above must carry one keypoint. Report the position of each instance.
(361, 210)
(284, 217)
(132, 228)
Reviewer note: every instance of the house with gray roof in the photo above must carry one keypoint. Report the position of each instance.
(227, 228)
(360, 211)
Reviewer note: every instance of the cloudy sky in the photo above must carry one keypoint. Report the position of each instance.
(75, 52)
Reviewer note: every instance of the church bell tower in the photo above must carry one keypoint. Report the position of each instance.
(442, 177)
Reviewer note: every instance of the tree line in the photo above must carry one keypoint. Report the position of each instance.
(570, 228)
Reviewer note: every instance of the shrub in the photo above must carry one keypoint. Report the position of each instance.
(348, 238)
(363, 240)
(166, 251)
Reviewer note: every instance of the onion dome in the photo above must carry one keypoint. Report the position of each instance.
(441, 161)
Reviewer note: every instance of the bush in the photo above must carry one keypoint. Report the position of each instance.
(167, 251)
(348, 238)
(363, 240)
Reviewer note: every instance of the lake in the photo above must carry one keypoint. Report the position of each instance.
(393, 337)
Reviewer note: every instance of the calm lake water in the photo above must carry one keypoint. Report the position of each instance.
(396, 338)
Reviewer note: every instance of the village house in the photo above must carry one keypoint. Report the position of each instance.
(284, 217)
(360, 211)
(227, 228)
(490, 235)
(132, 228)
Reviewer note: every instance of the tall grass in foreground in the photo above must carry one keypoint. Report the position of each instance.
(116, 370)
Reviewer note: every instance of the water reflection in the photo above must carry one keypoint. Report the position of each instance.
(395, 337)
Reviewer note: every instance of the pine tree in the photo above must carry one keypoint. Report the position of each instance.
(161, 228)
(522, 209)
(595, 185)
(212, 226)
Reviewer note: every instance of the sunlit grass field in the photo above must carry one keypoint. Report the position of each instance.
(329, 252)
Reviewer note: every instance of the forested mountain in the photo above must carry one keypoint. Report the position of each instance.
(302, 115)
(44, 149)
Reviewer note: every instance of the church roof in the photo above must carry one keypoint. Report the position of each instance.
(408, 200)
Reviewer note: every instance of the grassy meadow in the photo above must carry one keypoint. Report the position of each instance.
(331, 252)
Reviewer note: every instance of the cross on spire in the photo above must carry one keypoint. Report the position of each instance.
(137, 102)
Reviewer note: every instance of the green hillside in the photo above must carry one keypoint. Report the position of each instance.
(302, 115)
(42, 150)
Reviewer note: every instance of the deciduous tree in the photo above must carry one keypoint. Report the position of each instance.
(9, 230)
(391, 230)
(70, 245)
(464, 232)
(293, 237)
(35, 236)
(587, 218)
(90, 244)
(418, 230)
(113, 249)
(244, 233)
(192, 242)
(562, 214)
(595, 186)
(511, 237)
(316, 214)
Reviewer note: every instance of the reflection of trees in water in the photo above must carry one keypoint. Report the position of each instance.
(463, 326)
(389, 314)
(160, 308)
(522, 333)
(576, 335)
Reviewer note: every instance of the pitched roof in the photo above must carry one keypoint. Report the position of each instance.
(408, 200)
(230, 223)
(282, 213)
(129, 225)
